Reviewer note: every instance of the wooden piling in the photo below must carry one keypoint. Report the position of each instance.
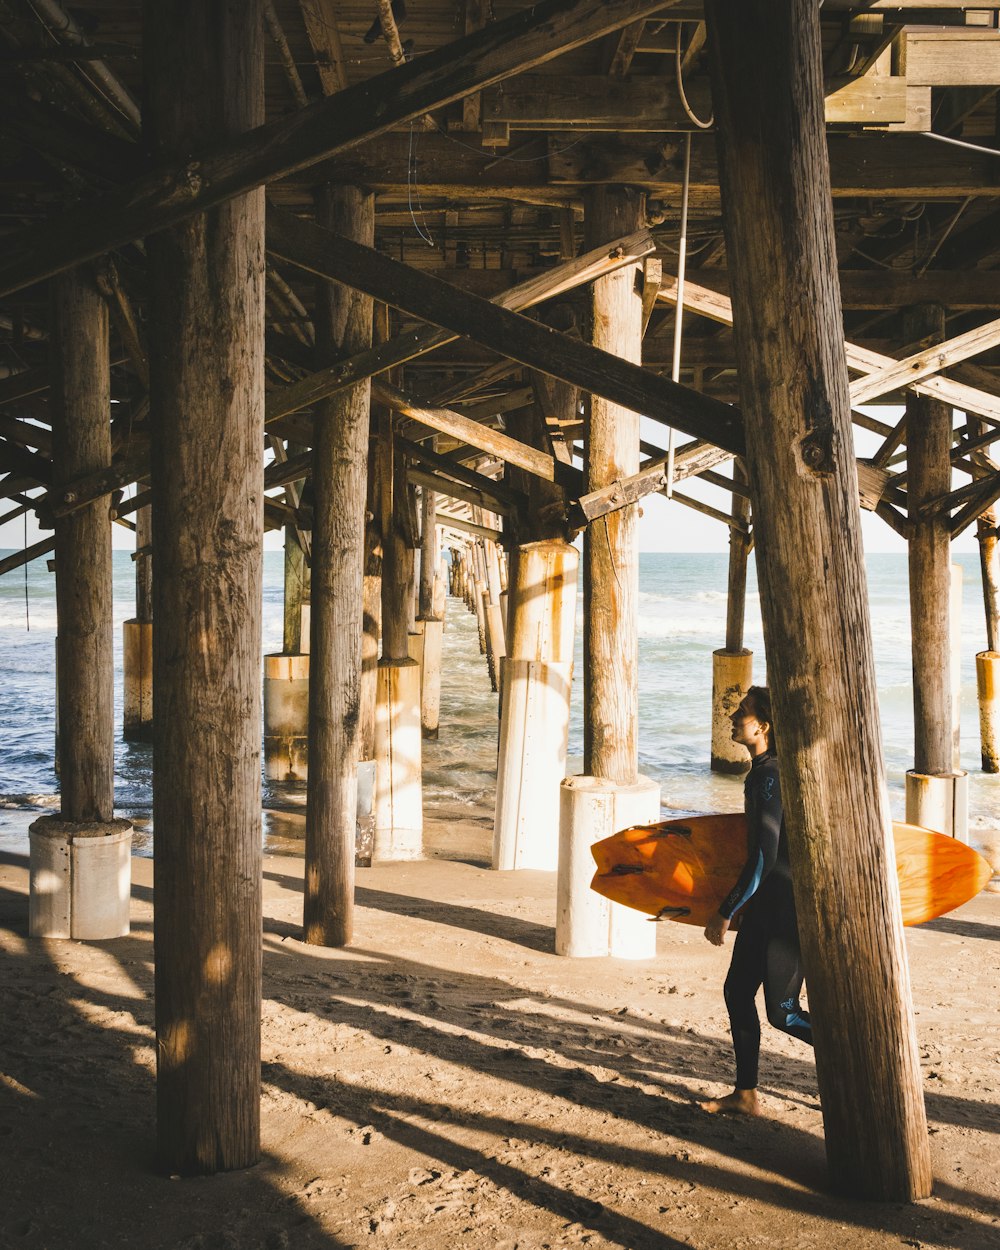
(767, 89)
(988, 661)
(340, 487)
(81, 427)
(610, 551)
(928, 439)
(204, 81)
(137, 640)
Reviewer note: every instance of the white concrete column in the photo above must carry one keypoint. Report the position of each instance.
(939, 802)
(534, 717)
(586, 923)
(80, 879)
(399, 821)
(430, 684)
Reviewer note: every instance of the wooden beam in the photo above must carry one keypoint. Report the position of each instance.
(651, 103)
(320, 19)
(718, 307)
(446, 486)
(548, 284)
(469, 527)
(925, 363)
(897, 166)
(447, 422)
(961, 57)
(176, 191)
(985, 498)
(422, 295)
(498, 497)
(884, 289)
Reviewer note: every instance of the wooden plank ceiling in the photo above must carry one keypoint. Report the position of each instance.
(487, 191)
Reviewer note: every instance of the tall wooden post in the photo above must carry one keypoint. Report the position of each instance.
(81, 428)
(767, 88)
(928, 442)
(340, 486)
(988, 661)
(610, 553)
(137, 639)
(428, 553)
(297, 577)
(204, 80)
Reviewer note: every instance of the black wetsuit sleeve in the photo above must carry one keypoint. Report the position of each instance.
(763, 804)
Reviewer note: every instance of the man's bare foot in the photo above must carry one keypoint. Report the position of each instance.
(739, 1102)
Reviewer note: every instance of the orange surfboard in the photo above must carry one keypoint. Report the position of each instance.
(683, 869)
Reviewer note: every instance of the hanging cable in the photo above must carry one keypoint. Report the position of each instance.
(961, 143)
(680, 88)
(675, 368)
(411, 177)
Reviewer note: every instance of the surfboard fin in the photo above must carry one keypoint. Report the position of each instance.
(670, 913)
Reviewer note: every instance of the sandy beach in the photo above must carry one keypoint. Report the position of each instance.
(449, 1082)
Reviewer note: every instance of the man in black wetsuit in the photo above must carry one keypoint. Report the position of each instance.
(767, 942)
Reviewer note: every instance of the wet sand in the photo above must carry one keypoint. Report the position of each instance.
(448, 1082)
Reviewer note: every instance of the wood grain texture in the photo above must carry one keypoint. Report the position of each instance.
(767, 87)
(928, 442)
(610, 549)
(204, 76)
(340, 486)
(233, 164)
(81, 430)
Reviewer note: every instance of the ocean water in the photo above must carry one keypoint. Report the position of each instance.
(682, 612)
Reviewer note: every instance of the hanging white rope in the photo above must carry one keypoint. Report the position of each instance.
(675, 369)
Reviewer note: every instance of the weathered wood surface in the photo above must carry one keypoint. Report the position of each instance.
(180, 188)
(928, 440)
(423, 339)
(739, 555)
(899, 166)
(469, 431)
(767, 87)
(205, 83)
(420, 294)
(489, 492)
(863, 360)
(81, 430)
(610, 549)
(340, 484)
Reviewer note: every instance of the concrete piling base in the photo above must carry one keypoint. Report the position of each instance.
(939, 802)
(588, 925)
(80, 879)
(286, 717)
(534, 732)
(399, 818)
(430, 680)
(988, 687)
(137, 666)
(732, 676)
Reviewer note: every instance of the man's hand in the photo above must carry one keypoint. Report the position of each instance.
(716, 929)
